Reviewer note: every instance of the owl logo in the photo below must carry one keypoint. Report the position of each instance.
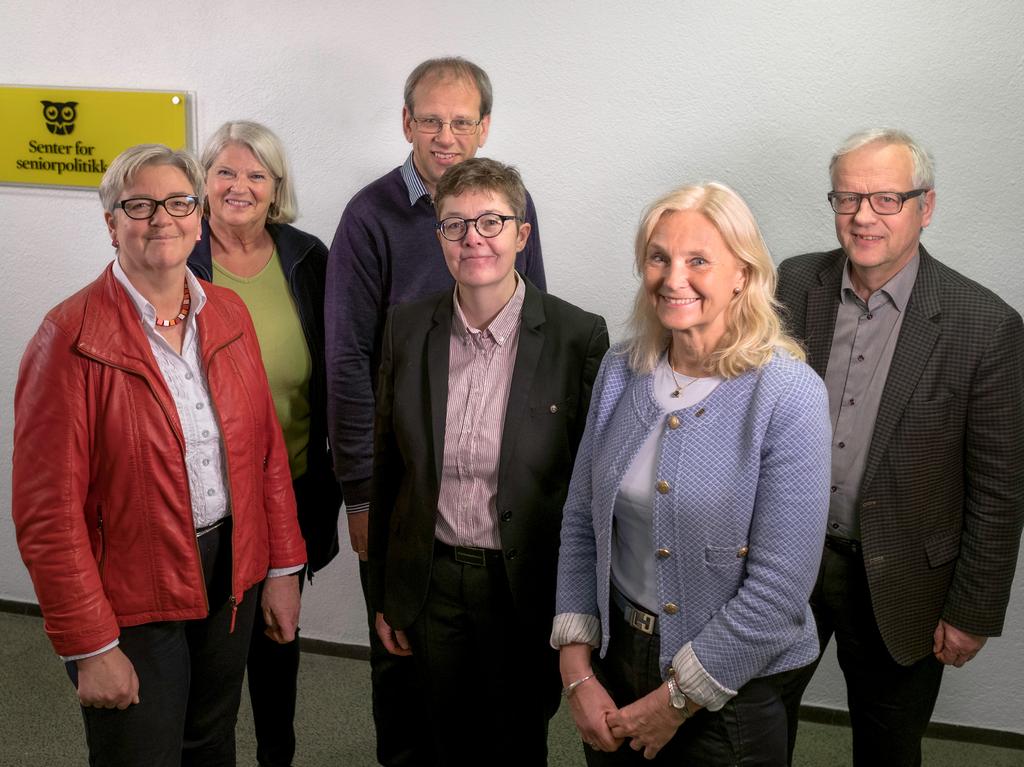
(60, 116)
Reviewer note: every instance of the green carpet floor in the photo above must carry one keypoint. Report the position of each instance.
(40, 723)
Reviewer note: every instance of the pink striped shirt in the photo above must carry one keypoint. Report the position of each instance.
(480, 365)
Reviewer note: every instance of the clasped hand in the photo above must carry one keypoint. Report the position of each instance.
(648, 723)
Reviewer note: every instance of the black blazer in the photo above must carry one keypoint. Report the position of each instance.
(942, 498)
(560, 351)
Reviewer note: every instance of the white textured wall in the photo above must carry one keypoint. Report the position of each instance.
(602, 106)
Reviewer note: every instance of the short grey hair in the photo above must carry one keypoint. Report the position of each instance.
(125, 167)
(269, 151)
(454, 67)
(924, 165)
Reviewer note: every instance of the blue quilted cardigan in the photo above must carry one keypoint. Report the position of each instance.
(743, 515)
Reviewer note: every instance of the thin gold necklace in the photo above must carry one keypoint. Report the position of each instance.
(680, 388)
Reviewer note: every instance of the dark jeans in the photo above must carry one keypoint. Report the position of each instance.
(890, 705)
(491, 679)
(272, 675)
(190, 681)
(749, 730)
(402, 723)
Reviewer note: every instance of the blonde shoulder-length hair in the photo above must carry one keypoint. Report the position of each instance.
(753, 331)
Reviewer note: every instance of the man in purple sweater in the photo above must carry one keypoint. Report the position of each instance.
(386, 252)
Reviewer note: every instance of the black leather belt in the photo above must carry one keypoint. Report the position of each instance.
(635, 616)
(845, 546)
(468, 555)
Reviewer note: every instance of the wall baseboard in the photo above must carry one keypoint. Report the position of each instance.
(819, 714)
(335, 649)
(20, 608)
(937, 730)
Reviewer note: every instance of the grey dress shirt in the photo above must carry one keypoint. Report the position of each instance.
(858, 364)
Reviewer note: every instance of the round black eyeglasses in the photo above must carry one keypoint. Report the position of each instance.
(488, 225)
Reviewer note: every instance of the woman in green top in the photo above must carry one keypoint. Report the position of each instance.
(248, 245)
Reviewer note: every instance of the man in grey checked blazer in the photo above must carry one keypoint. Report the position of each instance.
(925, 374)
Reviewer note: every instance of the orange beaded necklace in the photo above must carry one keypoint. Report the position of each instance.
(186, 302)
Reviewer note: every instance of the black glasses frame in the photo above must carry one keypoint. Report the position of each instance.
(160, 204)
(903, 197)
(467, 221)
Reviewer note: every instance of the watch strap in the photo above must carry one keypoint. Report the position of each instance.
(677, 698)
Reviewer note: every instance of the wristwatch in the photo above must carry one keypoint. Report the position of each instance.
(677, 698)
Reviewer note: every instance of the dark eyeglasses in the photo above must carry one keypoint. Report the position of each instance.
(883, 203)
(488, 225)
(141, 208)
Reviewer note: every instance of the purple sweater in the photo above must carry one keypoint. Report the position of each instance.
(384, 253)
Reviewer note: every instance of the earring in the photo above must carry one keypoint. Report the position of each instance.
(114, 243)
(736, 291)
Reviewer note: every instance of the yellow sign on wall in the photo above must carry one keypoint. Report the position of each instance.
(67, 137)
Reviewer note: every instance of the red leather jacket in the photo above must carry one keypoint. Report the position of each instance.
(100, 493)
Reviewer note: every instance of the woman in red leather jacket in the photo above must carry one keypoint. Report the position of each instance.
(151, 489)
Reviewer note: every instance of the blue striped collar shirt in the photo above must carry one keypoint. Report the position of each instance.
(413, 183)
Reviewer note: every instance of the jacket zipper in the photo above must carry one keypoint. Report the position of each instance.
(227, 476)
(103, 541)
(171, 418)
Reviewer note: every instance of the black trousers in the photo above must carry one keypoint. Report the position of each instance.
(272, 673)
(491, 678)
(399, 717)
(890, 705)
(749, 730)
(190, 681)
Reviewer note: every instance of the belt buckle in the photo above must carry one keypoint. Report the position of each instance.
(468, 555)
(641, 621)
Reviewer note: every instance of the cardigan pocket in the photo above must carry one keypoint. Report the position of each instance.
(725, 556)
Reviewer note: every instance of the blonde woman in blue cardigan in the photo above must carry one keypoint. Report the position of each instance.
(693, 528)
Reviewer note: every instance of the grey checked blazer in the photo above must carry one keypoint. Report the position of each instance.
(942, 498)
